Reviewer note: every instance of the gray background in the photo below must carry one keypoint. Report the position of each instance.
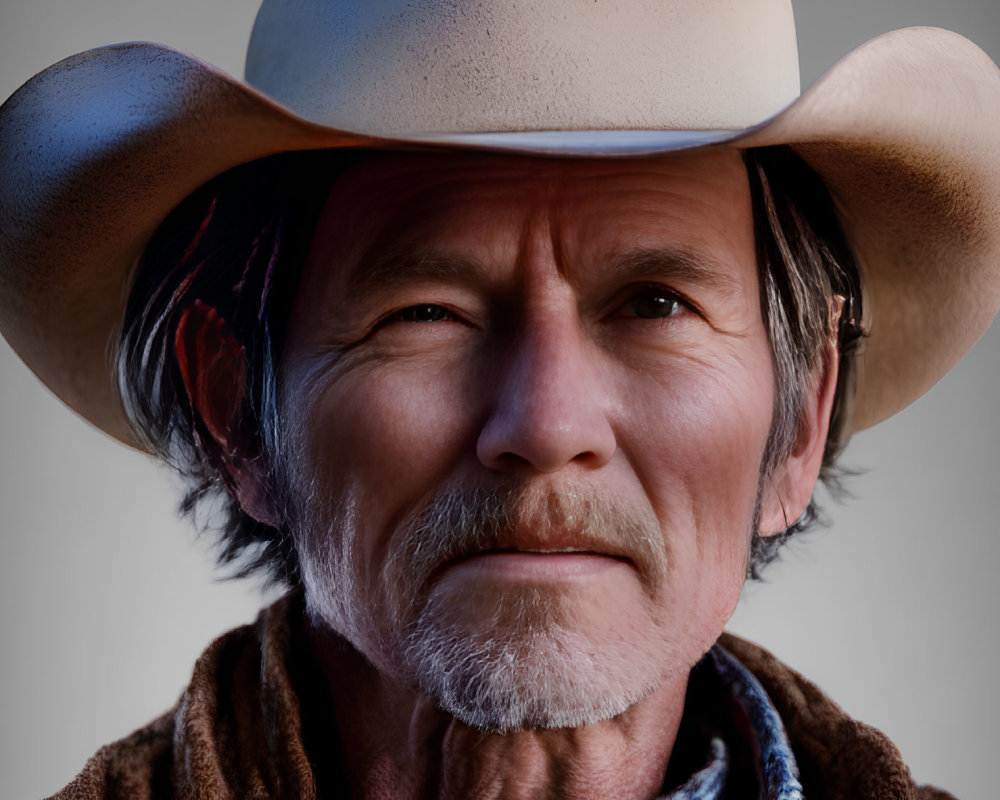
(106, 600)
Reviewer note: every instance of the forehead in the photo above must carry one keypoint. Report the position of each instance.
(394, 207)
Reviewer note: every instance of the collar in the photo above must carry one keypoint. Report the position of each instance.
(750, 726)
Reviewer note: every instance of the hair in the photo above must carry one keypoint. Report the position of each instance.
(807, 274)
(238, 244)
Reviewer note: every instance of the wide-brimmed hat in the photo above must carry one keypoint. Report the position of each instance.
(98, 149)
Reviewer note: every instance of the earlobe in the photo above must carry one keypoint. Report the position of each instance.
(787, 491)
(212, 364)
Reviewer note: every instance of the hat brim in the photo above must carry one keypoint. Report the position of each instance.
(99, 148)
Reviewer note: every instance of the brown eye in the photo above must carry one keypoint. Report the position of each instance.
(423, 313)
(655, 303)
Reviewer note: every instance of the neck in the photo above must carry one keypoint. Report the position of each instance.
(396, 744)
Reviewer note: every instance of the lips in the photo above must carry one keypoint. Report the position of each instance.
(523, 527)
(536, 565)
(541, 552)
(543, 540)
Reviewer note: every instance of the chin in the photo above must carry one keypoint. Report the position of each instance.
(535, 666)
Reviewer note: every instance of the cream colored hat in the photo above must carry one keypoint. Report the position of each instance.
(96, 150)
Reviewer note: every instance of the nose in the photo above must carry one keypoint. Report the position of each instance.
(550, 405)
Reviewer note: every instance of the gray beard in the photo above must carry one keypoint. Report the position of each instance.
(522, 664)
(522, 675)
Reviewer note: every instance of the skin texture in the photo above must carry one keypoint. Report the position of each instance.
(583, 340)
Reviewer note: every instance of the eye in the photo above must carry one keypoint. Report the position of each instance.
(422, 313)
(655, 302)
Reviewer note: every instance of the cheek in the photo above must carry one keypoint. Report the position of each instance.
(728, 427)
(384, 438)
(707, 427)
(703, 433)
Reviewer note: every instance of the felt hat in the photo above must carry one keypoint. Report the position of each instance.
(96, 150)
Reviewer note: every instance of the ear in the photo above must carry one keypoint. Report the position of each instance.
(212, 364)
(786, 492)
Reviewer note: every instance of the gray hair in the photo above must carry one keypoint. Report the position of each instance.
(806, 268)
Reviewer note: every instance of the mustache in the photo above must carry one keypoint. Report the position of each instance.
(464, 521)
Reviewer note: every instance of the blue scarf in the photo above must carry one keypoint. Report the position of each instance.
(772, 757)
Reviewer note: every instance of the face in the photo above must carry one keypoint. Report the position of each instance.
(527, 403)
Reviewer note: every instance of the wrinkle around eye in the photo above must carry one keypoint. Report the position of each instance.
(720, 316)
(416, 315)
(419, 328)
(360, 343)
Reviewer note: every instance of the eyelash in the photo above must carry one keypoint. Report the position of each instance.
(422, 313)
(433, 313)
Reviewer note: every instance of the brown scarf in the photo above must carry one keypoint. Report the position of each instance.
(255, 699)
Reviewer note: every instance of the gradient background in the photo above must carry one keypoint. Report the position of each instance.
(106, 599)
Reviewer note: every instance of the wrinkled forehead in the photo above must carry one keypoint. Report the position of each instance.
(480, 205)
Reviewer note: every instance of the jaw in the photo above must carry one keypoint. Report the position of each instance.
(399, 736)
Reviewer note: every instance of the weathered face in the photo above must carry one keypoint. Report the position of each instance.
(528, 402)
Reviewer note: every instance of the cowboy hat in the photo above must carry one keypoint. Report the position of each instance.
(99, 148)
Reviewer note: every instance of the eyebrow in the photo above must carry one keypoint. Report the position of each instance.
(384, 272)
(681, 264)
(387, 270)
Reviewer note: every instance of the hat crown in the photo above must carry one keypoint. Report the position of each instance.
(415, 67)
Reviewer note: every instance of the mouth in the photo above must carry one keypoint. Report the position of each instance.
(529, 533)
(537, 564)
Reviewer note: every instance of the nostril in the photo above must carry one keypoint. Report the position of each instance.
(510, 460)
(540, 460)
(541, 435)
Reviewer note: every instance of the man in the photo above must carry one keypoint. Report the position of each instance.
(547, 393)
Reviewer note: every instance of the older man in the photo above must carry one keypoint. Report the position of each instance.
(469, 458)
